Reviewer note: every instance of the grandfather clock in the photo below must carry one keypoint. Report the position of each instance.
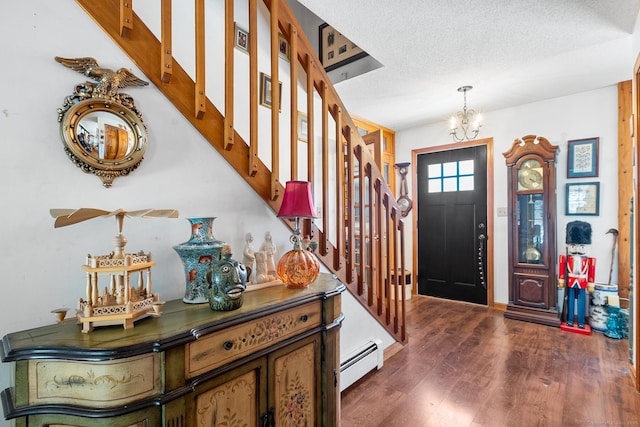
(532, 231)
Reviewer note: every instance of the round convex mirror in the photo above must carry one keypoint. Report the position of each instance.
(104, 138)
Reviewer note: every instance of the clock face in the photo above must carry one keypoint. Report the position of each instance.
(530, 176)
(405, 205)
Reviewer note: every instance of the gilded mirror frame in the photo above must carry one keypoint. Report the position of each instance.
(102, 131)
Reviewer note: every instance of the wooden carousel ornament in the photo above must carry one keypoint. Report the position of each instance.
(121, 302)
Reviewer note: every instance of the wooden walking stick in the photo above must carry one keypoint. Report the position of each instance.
(613, 250)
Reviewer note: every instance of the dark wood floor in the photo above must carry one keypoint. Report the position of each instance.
(466, 365)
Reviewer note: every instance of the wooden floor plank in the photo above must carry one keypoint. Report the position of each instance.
(466, 365)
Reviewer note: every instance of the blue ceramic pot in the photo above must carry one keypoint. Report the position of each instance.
(197, 254)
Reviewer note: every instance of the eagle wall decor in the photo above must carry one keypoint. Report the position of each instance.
(109, 81)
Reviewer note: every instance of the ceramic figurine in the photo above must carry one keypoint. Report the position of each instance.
(269, 248)
(249, 257)
(262, 274)
(227, 282)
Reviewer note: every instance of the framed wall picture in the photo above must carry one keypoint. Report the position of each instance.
(242, 38)
(336, 50)
(582, 160)
(284, 51)
(583, 198)
(265, 91)
(303, 127)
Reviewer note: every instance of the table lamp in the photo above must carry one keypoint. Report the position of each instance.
(298, 268)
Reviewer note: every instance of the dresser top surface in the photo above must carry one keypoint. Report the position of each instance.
(179, 323)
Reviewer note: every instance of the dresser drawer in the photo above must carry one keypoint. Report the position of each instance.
(215, 350)
(94, 384)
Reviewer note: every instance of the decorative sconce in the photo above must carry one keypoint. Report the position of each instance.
(404, 201)
(298, 268)
(465, 119)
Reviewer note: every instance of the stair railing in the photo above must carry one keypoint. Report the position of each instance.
(360, 231)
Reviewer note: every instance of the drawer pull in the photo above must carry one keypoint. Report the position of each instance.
(304, 318)
(228, 345)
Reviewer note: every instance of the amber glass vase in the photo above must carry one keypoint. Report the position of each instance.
(298, 268)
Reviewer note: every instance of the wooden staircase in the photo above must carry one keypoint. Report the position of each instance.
(360, 233)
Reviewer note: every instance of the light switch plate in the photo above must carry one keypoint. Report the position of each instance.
(502, 211)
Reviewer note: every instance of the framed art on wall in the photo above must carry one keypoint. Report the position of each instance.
(582, 159)
(303, 127)
(242, 38)
(336, 50)
(265, 91)
(283, 48)
(583, 198)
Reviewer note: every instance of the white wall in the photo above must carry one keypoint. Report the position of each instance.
(585, 115)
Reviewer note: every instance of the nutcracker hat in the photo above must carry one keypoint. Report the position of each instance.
(578, 233)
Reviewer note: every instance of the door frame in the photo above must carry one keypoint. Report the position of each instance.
(488, 142)
(635, 132)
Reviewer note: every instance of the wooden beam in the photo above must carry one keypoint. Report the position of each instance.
(126, 18)
(403, 322)
(229, 70)
(368, 229)
(339, 190)
(200, 95)
(349, 209)
(386, 254)
(377, 249)
(635, 123)
(166, 54)
(293, 57)
(398, 271)
(323, 244)
(275, 103)
(253, 87)
(625, 188)
(310, 121)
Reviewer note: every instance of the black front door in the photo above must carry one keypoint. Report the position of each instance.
(452, 224)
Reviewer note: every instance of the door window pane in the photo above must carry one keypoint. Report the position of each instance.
(435, 185)
(451, 176)
(435, 171)
(466, 183)
(450, 169)
(466, 167)
(450, 184)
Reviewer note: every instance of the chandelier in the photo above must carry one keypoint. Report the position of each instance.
(465, 121)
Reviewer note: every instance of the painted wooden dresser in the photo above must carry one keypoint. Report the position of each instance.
(274, 361)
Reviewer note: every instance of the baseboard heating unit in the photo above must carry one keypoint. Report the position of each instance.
(360, 362)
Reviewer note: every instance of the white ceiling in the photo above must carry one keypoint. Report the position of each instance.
(512, 52)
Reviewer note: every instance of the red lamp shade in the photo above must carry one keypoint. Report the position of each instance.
(297, 201)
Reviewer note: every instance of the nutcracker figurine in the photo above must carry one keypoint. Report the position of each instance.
(577, 271)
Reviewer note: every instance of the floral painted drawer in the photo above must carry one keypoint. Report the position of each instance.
(231, 344)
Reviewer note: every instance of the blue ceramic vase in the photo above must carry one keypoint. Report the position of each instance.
(197, 254)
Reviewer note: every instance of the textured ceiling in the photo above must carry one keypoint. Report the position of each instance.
(511, 51)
